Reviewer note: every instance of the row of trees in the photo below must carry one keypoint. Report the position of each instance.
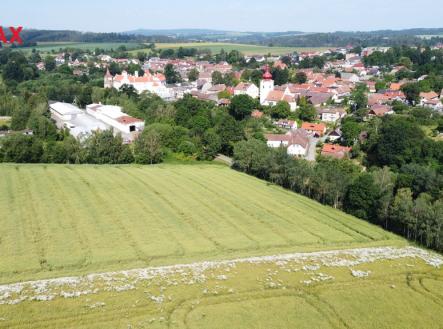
(390, 199)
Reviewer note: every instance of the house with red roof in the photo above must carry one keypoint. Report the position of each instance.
(316, 129)
(380, 110)
(154, 83)
(335, 151)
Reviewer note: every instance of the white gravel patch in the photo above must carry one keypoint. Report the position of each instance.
(194, 273)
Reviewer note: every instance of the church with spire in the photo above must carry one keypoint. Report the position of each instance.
(266, 85)
(270, 95)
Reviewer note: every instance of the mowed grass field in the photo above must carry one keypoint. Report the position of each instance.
(59, 220)
(68, 220)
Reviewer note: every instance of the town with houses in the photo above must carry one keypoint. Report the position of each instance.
(221, 165)
(325, 89)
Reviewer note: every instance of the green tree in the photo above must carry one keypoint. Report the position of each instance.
(361, 197)
(49, 63)
(193, 75)
(148, 148)
(102, 147)
(350, 130)
(300, 77)
(21, 148)
(217, 78)
(251, 157)
(306, 111)
(172, 76)
(359, 97)
(281, 110)
(401, 210)
(412, 92)
(211, 143)
(241, 106)
(400, 141)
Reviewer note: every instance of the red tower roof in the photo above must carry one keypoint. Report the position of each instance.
(267, 75)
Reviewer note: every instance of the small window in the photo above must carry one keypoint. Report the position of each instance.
(131, 128)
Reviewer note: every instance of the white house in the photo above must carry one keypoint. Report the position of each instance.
(286, 124)
(114, 117)
(249, 89)
(296, 141)
(331, 115)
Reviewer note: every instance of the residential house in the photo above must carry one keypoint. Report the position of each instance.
(380, 110)
(335, 135)
(316, 129)
(249, 89)
(336, 151)
(350, 77)
(296, 141)
(331, 114)
(286, 124)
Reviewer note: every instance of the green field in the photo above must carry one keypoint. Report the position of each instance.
(67, 220)
(216, 47)
(55, 46)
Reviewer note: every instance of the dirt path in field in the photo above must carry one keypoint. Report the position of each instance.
(70, 287)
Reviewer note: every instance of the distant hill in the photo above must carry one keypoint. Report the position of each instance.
(417, 36)
(175, 32)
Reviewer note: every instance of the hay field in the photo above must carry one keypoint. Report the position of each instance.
(63, 220)
(99, 248)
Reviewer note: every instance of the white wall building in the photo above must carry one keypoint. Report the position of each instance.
(154, 83)
(266, 86)
(249, 89)
(113, 116)
(296, 141)
(64, 111)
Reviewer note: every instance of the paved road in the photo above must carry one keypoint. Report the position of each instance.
(312, 148)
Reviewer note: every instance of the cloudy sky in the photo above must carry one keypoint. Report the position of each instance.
(235, 15)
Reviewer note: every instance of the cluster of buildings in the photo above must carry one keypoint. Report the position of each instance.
(96, 117)
(324, 90)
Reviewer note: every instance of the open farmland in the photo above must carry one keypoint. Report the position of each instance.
(216, 47)
(108, 238)
(55, 46)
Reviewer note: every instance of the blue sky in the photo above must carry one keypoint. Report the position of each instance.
(236, 15)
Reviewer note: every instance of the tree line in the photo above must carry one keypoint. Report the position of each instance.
(407, 201)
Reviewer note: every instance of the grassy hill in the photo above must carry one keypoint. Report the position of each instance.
(67, 220)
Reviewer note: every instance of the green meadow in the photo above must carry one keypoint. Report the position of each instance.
(76, 221)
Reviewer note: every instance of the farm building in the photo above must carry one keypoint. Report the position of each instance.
(64, 111)
(113, 116)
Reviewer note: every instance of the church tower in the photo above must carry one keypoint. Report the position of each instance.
(266, 85)
(108, 80)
